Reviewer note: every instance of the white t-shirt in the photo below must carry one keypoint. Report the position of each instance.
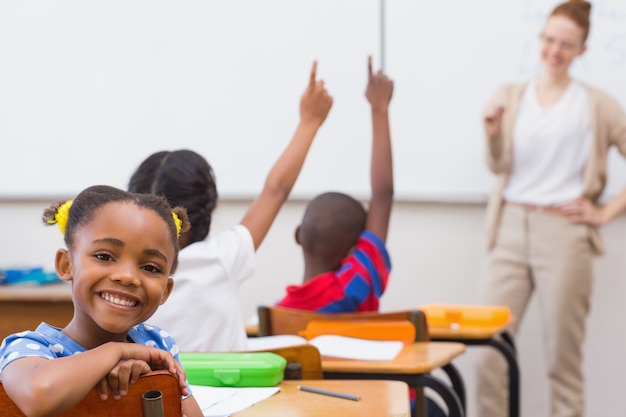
(550, 148)
(203, 313)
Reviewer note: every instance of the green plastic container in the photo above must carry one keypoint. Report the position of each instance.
(233, 369)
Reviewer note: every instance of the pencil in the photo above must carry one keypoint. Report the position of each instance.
(329, 393)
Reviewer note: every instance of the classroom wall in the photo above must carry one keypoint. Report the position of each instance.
(437, 252)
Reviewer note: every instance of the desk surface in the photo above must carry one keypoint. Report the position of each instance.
(414, 358)
(378, 398)
(49, 292)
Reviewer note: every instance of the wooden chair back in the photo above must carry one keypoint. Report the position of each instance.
(280, 320)
(303, 361)
(131, 405)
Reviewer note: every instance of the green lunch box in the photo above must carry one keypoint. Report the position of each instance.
(233, 369)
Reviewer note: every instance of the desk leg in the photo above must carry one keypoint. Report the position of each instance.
(422, 380)
(455, 409)
(506, 336)
(508, 352)
(420, 406)
(457, 383)
(507, 349)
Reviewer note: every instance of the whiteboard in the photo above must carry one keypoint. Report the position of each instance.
(88, 89)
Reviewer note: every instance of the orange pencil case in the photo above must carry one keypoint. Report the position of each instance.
(446, 315)
(401, 330)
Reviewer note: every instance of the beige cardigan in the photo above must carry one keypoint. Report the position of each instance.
(609, 128)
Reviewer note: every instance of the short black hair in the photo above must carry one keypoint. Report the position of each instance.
(331, 225)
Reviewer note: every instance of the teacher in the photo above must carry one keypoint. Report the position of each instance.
(547, 144)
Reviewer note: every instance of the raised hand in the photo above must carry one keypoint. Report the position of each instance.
(315, 102)
(379, 88)
(492, 119)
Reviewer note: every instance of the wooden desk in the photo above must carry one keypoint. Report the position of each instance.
(413, 365)
(498, 338)
(23, 307)
(378, 398)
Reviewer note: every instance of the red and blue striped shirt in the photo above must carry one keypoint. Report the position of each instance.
(356, 286)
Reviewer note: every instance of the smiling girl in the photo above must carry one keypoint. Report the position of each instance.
(121, 251)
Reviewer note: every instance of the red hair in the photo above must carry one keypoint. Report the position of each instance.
(578, 11)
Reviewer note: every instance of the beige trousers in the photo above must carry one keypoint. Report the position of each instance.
(543, 253)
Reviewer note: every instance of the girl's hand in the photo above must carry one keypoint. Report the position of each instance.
(126, 372)
(315, 102)
(157, 359)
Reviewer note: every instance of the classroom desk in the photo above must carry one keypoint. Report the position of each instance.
(23, 307)
(498, 338)
(378, 398)
(413, 365)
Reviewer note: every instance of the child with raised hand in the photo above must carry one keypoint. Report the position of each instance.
(203, 311)
(346, 264)
(121, 250)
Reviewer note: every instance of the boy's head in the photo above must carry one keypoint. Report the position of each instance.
(331, 227)
(186, 179)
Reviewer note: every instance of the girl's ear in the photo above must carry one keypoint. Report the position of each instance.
(168, 290)
(63, 265)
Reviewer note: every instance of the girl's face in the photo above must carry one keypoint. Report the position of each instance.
(119, 266)
(561, 42)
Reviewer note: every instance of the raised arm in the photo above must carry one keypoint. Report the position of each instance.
(379, 91)
(314, 107)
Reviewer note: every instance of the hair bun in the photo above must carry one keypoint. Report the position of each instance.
(582, 4)
(577, 10)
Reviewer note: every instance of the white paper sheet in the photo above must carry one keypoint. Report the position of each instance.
(271, 342)
(225, 401)
(335, 346)
(353, 348)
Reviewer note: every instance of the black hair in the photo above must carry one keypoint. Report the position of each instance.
(87, 203)
(331, 225)
(186, 179)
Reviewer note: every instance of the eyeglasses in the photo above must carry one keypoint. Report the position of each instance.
(563, 46)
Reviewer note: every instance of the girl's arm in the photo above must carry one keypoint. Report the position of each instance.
(314, 107)
(191, 408)
(41, 387)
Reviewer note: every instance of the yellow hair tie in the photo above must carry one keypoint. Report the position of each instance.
(61, 216)
(178, 222)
